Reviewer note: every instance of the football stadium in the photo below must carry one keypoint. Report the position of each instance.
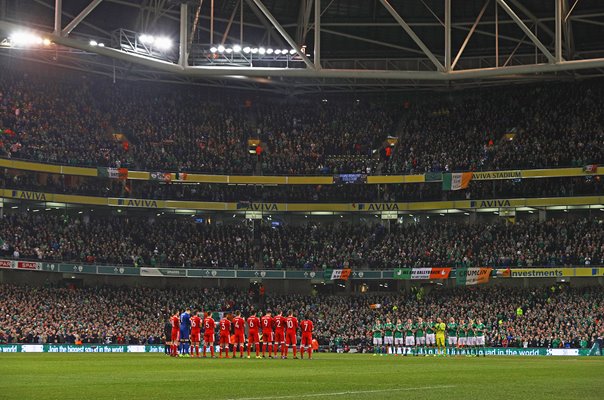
(291, 199)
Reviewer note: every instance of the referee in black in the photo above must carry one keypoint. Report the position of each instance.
(167, 337)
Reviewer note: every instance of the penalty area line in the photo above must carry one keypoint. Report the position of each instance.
(348, 392)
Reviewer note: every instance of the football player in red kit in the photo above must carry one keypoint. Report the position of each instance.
(225, 337)
(253, 324)
(291, 329)
(239, 324)
(195, 333)
(268, 337)
(209, 334)
(175, 321)
(279, 333)
(306, 343)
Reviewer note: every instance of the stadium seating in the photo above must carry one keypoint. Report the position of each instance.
(72, 121)
(163, 240)
(553, 316)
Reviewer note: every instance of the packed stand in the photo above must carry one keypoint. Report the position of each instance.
(72, 122)
(60, 119)
(162, 240)
(551, 317)
(554, 125)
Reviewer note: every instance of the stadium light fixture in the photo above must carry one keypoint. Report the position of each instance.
(278, 51)
(93, 43)
(163, 43)
(213, 49)
(46, 42)
(159, 42)
(228, 50)
(25, 39)
(284, 51)
(101, 44)
(236, 48)
(221, 49)
(261, 50)
(292, 52)
(269, 51)
(146, 39)
(247, 50)
(255, 50)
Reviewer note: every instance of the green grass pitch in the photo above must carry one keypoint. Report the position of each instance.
(327, 376)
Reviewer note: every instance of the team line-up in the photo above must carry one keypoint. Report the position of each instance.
(278, 334)
(415, 337)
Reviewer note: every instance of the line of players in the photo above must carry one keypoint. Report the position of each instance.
(279, 333)
(416, 337)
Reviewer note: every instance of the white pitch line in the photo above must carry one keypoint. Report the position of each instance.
(344, 393)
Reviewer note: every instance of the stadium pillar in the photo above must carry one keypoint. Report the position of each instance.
(183, 55)
(542, 215)
(58, 12)
(317, 51)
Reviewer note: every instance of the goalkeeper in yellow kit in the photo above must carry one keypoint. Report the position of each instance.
(440, 328)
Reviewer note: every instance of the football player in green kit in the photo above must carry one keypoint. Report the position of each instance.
(377, 330)
(388, 336)
(471, 337)
(479, 340)
(410, 328)
(420, 336)
(399, 330)
(452, 336)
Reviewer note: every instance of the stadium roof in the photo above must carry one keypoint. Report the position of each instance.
(367, 45)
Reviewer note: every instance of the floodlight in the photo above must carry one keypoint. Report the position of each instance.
(284, 51)
(292, 52)
(221, 49)
(237, 48)
(254, 50)
(101, 44)
(261, 50)
(277, 51)
(163, 43)
(246, 49)
(229, 50)
(213, 49)
(25, 39)
(269, 51)
(93, 43)
(146, 39)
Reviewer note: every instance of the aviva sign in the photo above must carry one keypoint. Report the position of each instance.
(18, 194)
(490, 203)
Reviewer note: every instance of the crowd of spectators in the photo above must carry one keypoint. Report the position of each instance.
(439, 244)
(166, 128)
(549, 126)
(429, 191)
(557, 316)
(191, 242)
(71, 120)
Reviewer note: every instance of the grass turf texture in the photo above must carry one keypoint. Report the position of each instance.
(329, 376)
